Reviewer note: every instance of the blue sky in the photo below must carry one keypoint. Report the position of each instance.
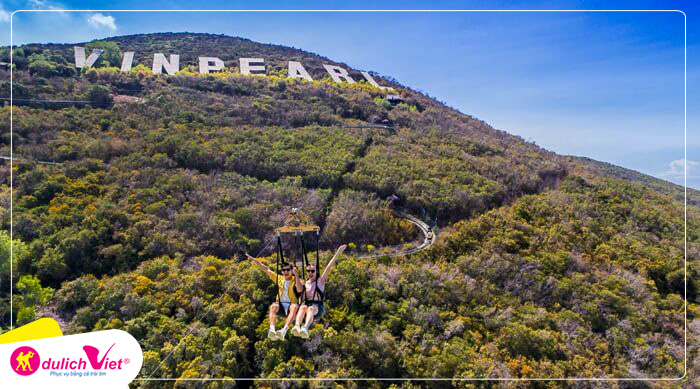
(608, 86)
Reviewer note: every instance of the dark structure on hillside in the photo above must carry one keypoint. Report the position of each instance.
(393, 99)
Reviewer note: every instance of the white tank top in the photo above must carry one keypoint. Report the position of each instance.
(285, 292)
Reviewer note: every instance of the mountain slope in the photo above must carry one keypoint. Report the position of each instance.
(658, 185)
(545, 266)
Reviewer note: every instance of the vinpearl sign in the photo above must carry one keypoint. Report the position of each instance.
(212, 64)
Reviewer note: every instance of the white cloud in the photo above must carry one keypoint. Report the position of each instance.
(4, 15)
(98, 20)
(678, 168)
(45, 5)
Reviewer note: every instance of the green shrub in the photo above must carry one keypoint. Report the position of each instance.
(99, 96)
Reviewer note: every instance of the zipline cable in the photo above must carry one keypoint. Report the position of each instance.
(54, 101)
(30, 160)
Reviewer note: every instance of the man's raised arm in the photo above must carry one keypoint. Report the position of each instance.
(262, 267)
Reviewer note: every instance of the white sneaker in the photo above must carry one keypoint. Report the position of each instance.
(272, 334)
(281, 334)
(296, 331)
(304, 333)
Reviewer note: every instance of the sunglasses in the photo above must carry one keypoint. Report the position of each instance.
(311, 270)
(286, 270)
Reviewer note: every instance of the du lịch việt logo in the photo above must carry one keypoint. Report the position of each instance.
(104, 359)
(25, 361)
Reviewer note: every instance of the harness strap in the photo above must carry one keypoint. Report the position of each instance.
(306, 256)
(280, 257)
(321, 293)
(303, 276)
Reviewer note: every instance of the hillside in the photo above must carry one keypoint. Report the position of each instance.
(658, 185)
(544, 266)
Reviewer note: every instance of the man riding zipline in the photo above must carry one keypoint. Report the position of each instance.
(289, 286)
(314, 290)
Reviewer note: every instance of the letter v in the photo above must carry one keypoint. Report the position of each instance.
(92, 354)
(80, 60)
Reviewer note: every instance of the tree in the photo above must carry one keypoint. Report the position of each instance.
(32, 291)
(32, 295)
(43, 68)
(112, 55)
(19, 253)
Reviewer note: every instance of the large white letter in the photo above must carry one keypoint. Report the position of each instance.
(296, 70)
(206, 65)
(371, 81)
(338, 74)
(127, 60)
(80, 57)
(247, 65)
(159, 62)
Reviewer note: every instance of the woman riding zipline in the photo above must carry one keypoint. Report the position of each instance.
(314, 289)
(289, 287)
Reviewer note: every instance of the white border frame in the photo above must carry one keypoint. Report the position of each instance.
(685, 200)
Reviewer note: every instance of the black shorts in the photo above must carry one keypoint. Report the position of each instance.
(284, 311)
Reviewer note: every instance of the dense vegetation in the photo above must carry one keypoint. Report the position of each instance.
(545, 266)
